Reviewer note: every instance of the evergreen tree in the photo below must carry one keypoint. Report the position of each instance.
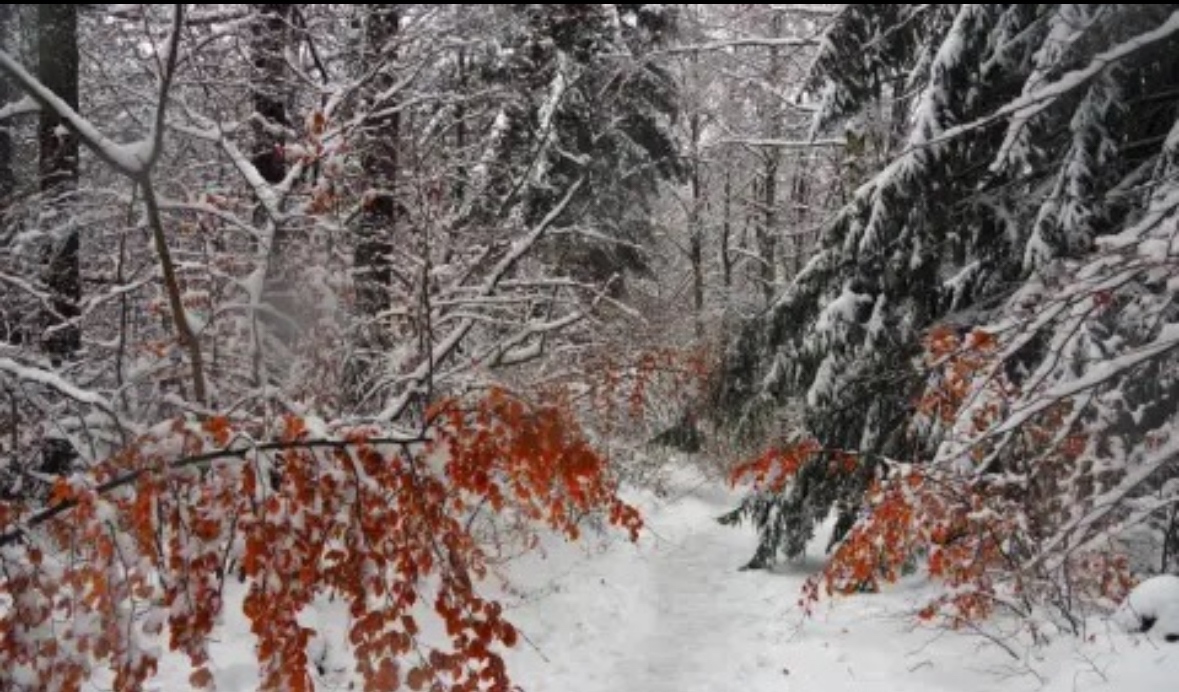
(1011, 137)
(586, 105)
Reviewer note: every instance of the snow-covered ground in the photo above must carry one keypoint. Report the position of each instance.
(673, 614)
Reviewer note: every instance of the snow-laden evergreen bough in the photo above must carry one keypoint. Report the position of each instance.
(1022, 235)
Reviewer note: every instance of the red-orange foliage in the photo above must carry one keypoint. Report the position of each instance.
(972, 531)
(774, 468)
(625, 388)
(917, 518)
(953, 366)
(383, 525)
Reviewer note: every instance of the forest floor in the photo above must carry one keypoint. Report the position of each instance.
(672, 613)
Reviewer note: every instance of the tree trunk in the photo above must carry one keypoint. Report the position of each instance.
(267, 89)
(12, 319)
(460, 129)
(695, 212)
(798, 217)
(7, 94)
(57, 66)
(380, 164)
(726, 255)
(726, 232)
(695, 225)
(767, 230)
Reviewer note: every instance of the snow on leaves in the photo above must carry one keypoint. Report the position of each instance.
(983, 522)
(773, 469)
(146, 543)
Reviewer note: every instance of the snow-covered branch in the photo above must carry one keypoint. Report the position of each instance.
(743, 42)
(129, 159)
(1028, 104)
(56, 382)
(516, 251)
(784, 143)
(23, 106)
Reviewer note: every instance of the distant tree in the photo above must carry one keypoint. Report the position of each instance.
(589, 105)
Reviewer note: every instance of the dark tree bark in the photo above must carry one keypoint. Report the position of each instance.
(695, 212)
(798, 215)
(57, 67)
(767, 229)
(460, 128)
(380, 164)
(267, 87)
(695, 224)
(269, 38)
(12, 327)
(726, 255)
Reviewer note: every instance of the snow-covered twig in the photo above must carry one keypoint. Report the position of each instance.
(414, 380)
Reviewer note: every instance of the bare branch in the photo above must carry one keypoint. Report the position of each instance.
(23, 106)
(754, 42)
(444, 348)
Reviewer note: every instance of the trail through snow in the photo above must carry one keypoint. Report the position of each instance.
(699, 607)
(672, 613)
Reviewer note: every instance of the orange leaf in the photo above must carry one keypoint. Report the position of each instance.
(416, 679)
(411, 627)
(201, 678)
(218, 428)
(507, 634)
(386, 677)
(294, 428)
(981, 340)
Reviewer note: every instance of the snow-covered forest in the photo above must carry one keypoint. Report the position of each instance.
(589, 347)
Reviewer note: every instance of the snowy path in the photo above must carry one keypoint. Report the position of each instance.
(673, 614)
(683, 606)
(699, 610)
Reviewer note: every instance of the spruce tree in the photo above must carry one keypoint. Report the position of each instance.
(1011, 137)
(586, 105)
